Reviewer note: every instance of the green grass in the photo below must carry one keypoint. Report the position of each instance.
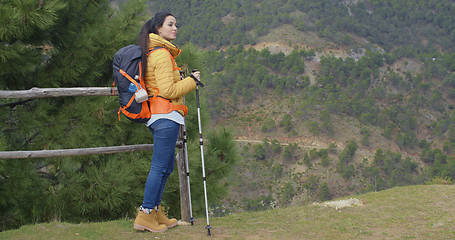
(412, 212)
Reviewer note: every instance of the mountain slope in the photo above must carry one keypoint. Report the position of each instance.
(248, 118)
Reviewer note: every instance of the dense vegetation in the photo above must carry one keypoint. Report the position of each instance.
(377, 96)
(246, 73)
(411, 28)
(53, 44)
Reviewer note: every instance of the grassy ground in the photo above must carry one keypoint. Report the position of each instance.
(412, 212)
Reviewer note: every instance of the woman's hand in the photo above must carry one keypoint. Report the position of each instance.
(197, 75)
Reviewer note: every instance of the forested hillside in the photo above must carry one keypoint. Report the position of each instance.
(412, 27)
(343, 97)
(372, 81)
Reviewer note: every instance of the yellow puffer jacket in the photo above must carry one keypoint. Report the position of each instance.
(163, 73)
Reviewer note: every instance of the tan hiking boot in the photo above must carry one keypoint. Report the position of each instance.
(145, 221)
(161, 216)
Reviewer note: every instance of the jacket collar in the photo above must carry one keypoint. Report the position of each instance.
(157, 41)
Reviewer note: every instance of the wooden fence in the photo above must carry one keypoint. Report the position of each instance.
(96, 91)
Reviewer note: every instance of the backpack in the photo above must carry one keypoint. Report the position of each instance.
(129, 80)
(126, 64)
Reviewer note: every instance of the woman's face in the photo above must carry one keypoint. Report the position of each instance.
(169, 29)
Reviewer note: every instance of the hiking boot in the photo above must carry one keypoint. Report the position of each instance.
(145, 221)
(161, 216)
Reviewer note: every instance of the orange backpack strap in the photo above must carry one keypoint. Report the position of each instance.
(122, 109)
(130, 78)
(113, 87)
(180, 107)
(174, 67)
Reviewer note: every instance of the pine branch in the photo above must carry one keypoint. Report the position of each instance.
(94, 185)
(48, 176)
(14, 104)
(32, 137)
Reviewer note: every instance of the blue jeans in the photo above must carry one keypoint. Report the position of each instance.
(165, 133)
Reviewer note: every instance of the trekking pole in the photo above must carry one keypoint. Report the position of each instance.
(202, 154)
(187, 160)
(187, 167)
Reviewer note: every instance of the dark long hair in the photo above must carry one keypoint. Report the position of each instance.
(143, 38)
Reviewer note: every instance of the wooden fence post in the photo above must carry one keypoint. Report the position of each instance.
(183, 180)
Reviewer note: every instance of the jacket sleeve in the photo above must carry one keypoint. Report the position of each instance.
(169, 87)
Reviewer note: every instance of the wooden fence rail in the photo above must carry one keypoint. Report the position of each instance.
(73, 152)
(77, 151)
(59, 92)
(95, 91)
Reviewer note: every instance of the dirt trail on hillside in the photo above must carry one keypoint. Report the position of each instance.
(281, 143)
(301, 141)
(310, 143)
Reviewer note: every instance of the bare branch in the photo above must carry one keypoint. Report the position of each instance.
(14, 104)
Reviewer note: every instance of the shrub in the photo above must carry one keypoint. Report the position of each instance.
(268, 125)
(324, 192)
(306, 159)
(286, 123)
(311, 183)
(258, 204)
(276, 147)
(332, 148)
(259, 152)
(325, 161)
(287, 193)
(277, 170)
(439, 180)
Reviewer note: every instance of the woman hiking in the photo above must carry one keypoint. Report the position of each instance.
(163, 81)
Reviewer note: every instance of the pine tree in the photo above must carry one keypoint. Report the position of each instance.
(21, 200)
(55, 44)
(23, 29)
